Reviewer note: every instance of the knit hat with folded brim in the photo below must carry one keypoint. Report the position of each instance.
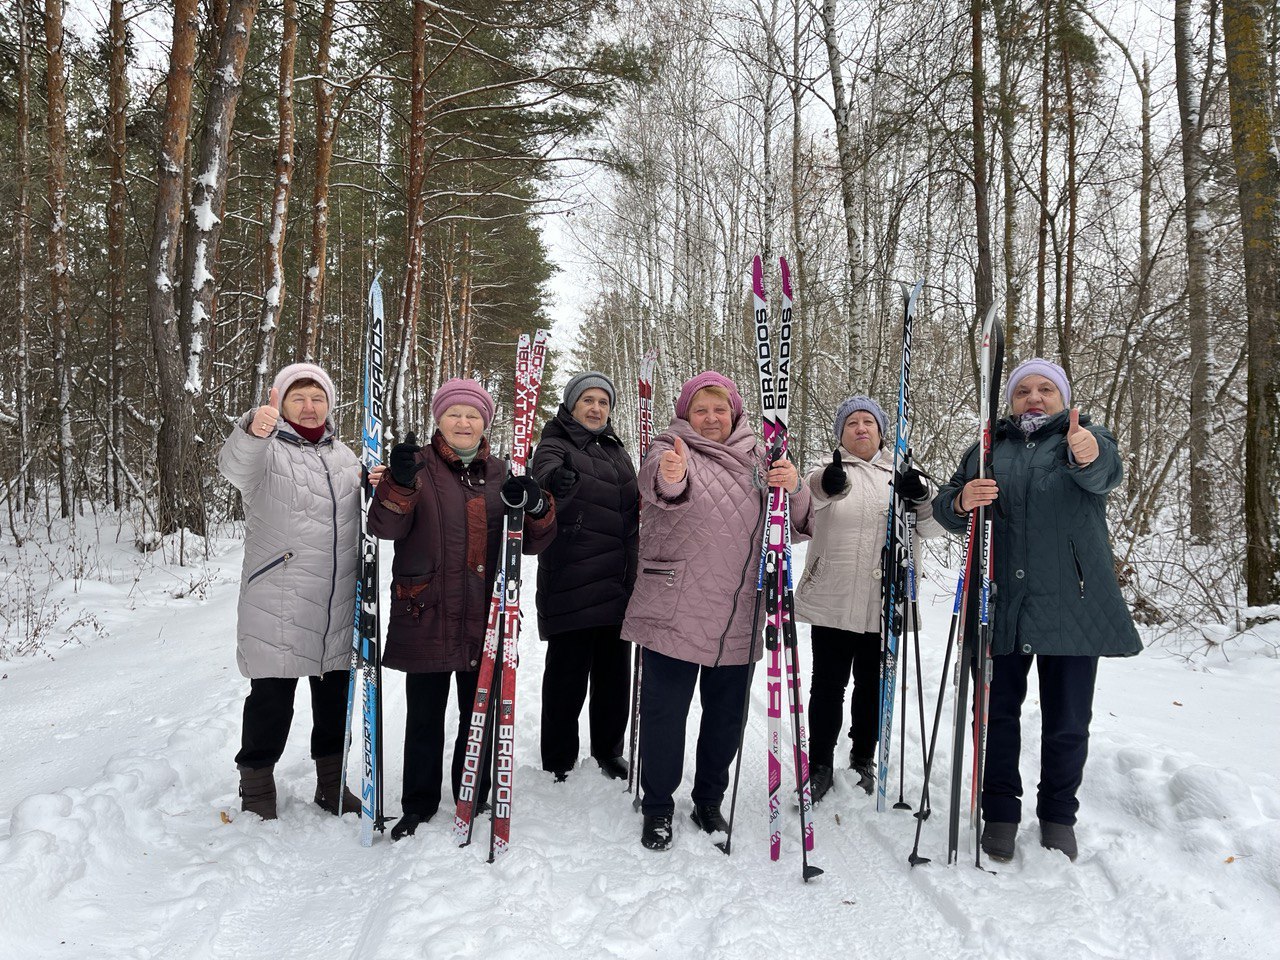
(291, 374)
(854, 405)
(708, 378)
(583, 382)
(1044, 368)
(464, 391)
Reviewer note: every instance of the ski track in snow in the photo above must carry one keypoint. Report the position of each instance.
(118, 761)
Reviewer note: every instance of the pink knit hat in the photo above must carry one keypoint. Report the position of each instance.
(294, 372)
(459, 390)
(708, 378)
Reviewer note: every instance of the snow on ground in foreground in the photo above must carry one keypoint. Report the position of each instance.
(118, 762)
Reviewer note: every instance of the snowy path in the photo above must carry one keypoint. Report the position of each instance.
(118, 762)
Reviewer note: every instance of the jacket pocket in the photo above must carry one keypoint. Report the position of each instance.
(1075, 560)
(656, 595)
(270, 565)
(411, 597)
(814, 574)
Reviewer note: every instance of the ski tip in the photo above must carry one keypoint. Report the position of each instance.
(989, 320)
(757, 277)
(811, 872)
(785, 269)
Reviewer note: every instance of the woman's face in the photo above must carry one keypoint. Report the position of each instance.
(306, 406)
(710, 416)
(1036, 394)
(592, 408)
(861, 434)
(462, 426)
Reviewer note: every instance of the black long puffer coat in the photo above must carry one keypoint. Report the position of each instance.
(586, 576)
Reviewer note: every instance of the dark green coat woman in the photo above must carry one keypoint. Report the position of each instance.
(1056, 596)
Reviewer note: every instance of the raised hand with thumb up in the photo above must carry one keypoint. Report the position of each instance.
(1084, 445)
(265, 417)
(834, 480)
(403, 463)
(674, 464)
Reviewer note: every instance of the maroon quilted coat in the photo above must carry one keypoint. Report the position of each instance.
(699, 550)
(448, 533)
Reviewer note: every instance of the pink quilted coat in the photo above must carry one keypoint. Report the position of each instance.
(700, 549)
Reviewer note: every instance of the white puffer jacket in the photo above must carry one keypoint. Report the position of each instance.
(841, 583)
(302, 527)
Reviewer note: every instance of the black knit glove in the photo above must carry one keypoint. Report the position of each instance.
(911, 486)
(403, 461)
(562, 480)
(524, 491)
(833, 479)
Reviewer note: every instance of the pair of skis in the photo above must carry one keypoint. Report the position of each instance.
(495, 699)
(366, 634)
(774, 582)
(974, 588)
(644, 385)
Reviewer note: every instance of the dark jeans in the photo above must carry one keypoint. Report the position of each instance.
(664, 710)
(426, 699)
(268, 713)
(598, 656)
(1066, 707)
(835, 653)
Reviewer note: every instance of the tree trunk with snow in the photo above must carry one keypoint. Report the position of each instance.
(22, 248)
(982, 283)
(1257, 163)
(180, 501)
(59, 263)
(117, 146)
(326, 128)
(273, 300)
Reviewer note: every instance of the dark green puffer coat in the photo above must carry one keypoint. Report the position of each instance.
(1056, 589)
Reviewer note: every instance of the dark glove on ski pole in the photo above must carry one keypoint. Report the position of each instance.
(833, 479)
(403, 461)
(524, 491)
(562, 480)
(912, 486)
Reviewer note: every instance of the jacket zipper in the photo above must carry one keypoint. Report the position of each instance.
(742, 579)
(1079, 571)
(283, 558)
(333, 582)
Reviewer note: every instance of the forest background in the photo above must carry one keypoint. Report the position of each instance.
(194, 194)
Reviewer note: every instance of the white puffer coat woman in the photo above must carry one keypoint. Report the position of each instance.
(841, 583)
(302, 526)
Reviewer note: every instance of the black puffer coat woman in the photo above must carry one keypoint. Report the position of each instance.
(586, 576)
(1056, 596)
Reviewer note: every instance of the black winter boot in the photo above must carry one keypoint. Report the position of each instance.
(328, 788)
(615, 768)
(657, 832)
(866, 770)
(821, 778)
(407, 825)
(1059, 836)
(258, 791)
(708, 817)
(998, 840)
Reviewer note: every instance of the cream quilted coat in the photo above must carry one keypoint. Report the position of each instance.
(302, 526)
(841, 583)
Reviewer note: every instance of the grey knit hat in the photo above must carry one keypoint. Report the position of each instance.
(853, 405)
(583, 382)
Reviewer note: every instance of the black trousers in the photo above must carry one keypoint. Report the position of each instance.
(600, 658)
(835, 654)
(268, 714)
(1066, 707)
(426, 700)
(664, 711)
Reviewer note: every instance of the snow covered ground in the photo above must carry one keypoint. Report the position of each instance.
(117, 765)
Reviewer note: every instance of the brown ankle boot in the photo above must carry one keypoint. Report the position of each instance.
(258, 791)
(328, 788)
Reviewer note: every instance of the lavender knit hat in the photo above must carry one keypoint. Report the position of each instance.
(864, 404)
(708, 378)
(291, 374)
(466, 391)
(1044, 368)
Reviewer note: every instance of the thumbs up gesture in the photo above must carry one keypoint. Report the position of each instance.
(1084, 445)
(674, 464)
(265, 417)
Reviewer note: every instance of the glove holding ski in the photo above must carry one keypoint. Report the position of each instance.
(912, 487)
(524, 491)
(834, 481)
(403, 462)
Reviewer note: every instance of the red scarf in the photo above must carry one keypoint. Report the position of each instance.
(310, 434)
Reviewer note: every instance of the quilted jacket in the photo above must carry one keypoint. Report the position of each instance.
(1056, 589)
(841, 583)
(585, 576)
(695, 594)
(447, 532)
(302, 528)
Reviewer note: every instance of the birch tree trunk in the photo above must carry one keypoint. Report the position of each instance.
(59, 264)
(313, 278)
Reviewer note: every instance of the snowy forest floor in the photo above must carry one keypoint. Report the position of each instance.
(120, 729)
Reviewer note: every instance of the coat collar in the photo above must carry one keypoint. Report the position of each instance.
(446, 453)
(564, 425)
